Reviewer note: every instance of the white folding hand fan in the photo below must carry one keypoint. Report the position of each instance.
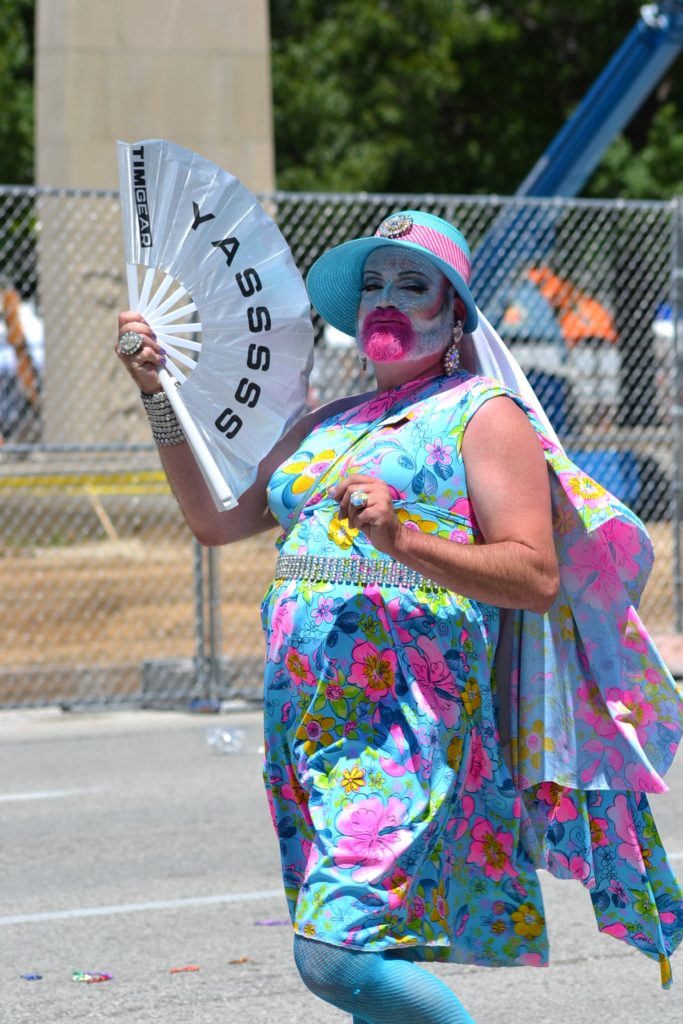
(225, 300)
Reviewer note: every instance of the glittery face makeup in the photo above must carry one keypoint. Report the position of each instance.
(406, 307)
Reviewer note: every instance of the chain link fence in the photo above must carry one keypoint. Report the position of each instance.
(105, 597)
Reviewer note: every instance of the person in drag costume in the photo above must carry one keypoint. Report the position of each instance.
(458, 688)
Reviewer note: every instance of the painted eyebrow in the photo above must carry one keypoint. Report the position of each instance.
(401, 273)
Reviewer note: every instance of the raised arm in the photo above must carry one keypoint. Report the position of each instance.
(210, 525)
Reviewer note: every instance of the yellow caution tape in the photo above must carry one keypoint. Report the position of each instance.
(143, 482)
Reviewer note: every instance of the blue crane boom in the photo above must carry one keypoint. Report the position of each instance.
(524, 233)
(520, 232)
(608, 106)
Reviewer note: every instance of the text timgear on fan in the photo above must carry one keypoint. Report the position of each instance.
(141, 202)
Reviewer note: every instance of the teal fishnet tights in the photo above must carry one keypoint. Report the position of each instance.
(376, 988)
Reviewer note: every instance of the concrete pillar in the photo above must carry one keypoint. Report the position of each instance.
(196, 72)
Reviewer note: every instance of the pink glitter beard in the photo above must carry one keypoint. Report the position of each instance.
(386, 343)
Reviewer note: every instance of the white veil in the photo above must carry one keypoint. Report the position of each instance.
(486, 354)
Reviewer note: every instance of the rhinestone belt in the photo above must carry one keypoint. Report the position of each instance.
(386, 572)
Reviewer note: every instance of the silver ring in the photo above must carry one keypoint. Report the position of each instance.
(358, 499)
(130, 343)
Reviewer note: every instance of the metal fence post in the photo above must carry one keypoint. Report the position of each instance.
(207, 606)
(215, 643)
(200, 661)
(677, 412)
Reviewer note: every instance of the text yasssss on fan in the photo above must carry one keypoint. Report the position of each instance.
(247, 392)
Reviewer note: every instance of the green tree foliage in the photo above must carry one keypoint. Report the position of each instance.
(454, 95)
(418, 95)
(16, 91)
(653, 172)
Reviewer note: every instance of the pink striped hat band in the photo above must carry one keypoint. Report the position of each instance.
(335, 280)
(435, 241)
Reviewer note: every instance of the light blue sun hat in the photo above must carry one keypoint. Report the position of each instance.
(335, 279)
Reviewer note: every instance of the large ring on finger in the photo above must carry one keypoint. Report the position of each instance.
(130, 343)
(358, 499)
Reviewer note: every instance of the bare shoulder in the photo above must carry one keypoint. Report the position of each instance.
(507, 475)
(499, 426)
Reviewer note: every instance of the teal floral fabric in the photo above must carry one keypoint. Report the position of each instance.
(422, 761)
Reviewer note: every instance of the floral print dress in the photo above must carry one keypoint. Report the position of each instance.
(426, 753)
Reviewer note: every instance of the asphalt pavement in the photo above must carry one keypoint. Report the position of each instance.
(131, 847)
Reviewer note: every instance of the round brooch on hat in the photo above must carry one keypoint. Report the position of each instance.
(395, 226)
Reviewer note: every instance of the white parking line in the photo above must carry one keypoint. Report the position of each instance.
(46, 794)
(135, 908)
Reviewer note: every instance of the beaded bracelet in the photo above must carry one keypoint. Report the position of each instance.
(166, 429)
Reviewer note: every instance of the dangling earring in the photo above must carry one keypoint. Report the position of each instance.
(451, 357)
(363, 360)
